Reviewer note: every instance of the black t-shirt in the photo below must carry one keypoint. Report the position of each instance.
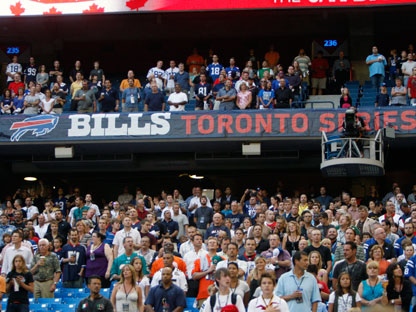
(22, 295)
(356, 270)
(324, 251)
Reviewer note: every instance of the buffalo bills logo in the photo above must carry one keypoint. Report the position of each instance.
(39, 125)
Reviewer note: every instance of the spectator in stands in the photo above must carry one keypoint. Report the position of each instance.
(73, 261)
(376, 63)
(371, 290)
(12, 69)
(180, 277)
(31, 103)
(244, 97)
(283, 95)
(382, 98)
(5, 227)
(350, 264)
(18, 101)
(99, 259)
(15, 248)
(182, 78)
(170, 73)
(166, 296)
(30, 71)
(19, 284)
(154, 101)
(345, 100)
(15, 85)
(109, 98)
(177, 99)
(289, 289)
(319, 68)
(86, 99)
(42, 78)
(214, 68)
(194, 61)
(46, 271)
(202, 93)
(126, 294)
(398, 93)
(97, 71)
(324, 251)
(127, 231)
(126, 84)
(6, 102)
(266, 95)
(95, 302)
(158, 73)
(341, 71)
(125, 258)
(398, 291)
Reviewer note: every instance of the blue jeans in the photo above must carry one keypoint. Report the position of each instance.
(17, 307)
(376, 81)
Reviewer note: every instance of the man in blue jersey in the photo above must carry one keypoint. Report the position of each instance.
(233, 72)
(30, 71)
(214, 68)
(158, 73)
(202, 93)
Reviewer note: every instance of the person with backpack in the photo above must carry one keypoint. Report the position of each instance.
(224, 300)
(344, 297)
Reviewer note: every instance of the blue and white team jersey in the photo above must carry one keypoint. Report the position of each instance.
(157, 72)
(214, 70)
(170, 74)
(231, 70)
(13, 68)
(30, 73)
(159, 75)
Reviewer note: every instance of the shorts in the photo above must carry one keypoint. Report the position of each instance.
(319, 83)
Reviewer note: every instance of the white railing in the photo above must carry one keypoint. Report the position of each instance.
(341, 147)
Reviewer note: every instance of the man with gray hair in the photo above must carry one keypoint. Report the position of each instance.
(46, 271)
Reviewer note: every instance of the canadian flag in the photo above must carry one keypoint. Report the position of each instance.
(59, 1)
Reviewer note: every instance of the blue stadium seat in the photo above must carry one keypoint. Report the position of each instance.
(62, 307)
(49, 300)
(72, 293)
(71, 300)
(38, 306)
(190, 305)
(105, 292)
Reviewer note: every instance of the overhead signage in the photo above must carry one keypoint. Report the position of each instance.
(196, 125)
(62, 7)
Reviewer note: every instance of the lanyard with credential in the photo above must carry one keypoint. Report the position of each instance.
(296, 282)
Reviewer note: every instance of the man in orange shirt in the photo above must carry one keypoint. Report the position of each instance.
(125, 82)
(272, 57)
(158, 263)
(194, 61)
(204, 269)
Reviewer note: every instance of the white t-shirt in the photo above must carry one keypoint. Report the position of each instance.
(344, 301)
(221, 301)
(177, 98)
(257, 304)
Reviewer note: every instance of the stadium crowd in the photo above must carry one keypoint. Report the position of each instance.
(259, 84)
(285, 252)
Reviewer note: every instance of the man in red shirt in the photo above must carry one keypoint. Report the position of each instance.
(320, 67)
(411, 87)
(16, 84)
